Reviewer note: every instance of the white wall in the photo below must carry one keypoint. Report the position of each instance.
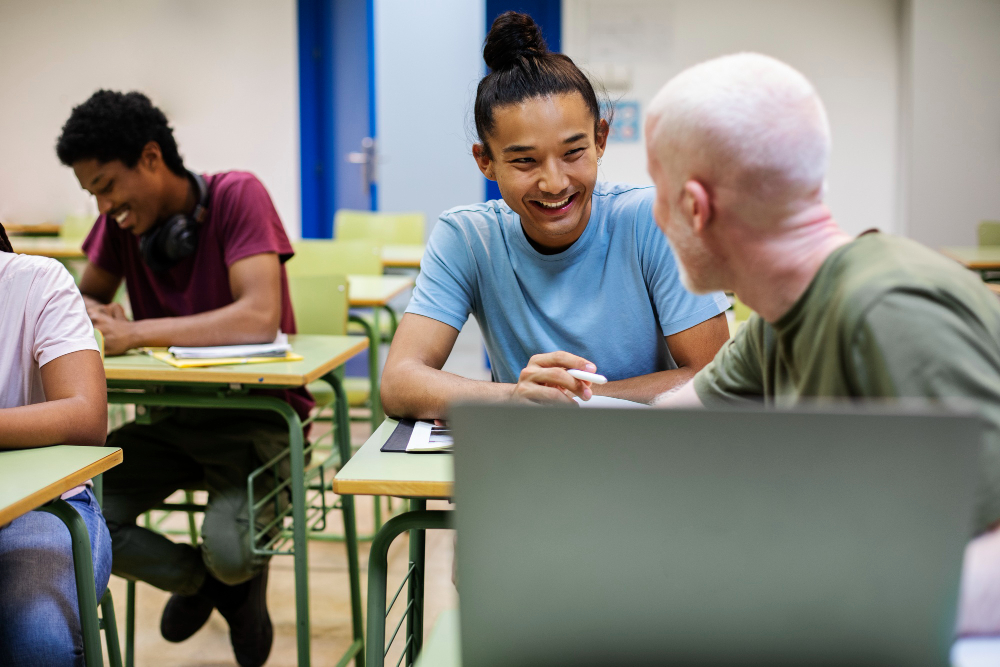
(225, 73)
(428, 62)
(850, 50)
(953, 138)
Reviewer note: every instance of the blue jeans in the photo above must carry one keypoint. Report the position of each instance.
(39, 612)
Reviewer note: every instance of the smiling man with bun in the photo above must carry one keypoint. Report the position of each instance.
(202, 259)
(565, 272)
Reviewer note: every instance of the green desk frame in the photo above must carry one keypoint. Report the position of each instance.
(202, 394)
(419, 478)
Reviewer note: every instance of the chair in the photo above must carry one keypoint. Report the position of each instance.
(383, 228)
(741, 313)
(989, 233)
(322, 257)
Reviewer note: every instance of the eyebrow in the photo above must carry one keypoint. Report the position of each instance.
(517, 148)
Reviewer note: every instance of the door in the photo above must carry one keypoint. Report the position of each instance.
(336, 110)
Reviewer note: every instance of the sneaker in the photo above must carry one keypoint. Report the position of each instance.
(184, 615)
(250, 629)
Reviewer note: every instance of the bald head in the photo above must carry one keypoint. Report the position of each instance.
(746, 124)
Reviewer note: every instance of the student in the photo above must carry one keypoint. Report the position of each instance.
(738, 148)
(201, 256)
(564, 273)
(52, 392)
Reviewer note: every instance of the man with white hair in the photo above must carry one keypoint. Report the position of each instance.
(738, 148)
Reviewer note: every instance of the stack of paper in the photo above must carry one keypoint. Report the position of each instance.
(279, 348)
(427, 437)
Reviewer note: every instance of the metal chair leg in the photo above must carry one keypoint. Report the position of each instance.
(130, 624)
(110, 630)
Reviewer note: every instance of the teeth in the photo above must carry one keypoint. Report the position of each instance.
(558, 204)
(120, 218)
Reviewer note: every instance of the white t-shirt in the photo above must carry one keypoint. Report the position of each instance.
(42, 317)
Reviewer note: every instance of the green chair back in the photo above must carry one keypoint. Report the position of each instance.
(989, 233)
(320, 304)
(741, 311)
(76, 227)
(100, 341)
(383, 228)
(326, 257)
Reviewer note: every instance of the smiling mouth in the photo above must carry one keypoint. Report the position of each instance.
(120, 216)
(555, 207)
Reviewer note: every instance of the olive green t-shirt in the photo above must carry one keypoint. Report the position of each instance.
(883, 317)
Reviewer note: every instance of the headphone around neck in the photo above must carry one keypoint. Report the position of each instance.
(166, 244)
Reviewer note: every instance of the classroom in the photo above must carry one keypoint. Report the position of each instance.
(488, 333)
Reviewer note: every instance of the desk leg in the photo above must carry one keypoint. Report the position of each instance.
(415, 589)
(83, 568)
(378, 563)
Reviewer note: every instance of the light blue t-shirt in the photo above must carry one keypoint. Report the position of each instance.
(611, 297)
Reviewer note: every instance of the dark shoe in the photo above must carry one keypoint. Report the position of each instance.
(250, 630)
(184, 615)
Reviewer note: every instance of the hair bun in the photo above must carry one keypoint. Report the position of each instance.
(511, 37)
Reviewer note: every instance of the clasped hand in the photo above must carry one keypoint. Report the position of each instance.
(110, 319)
(545, 380)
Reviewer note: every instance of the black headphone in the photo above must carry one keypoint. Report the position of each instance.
(163, 246)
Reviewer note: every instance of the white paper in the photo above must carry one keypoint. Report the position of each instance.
(608, 402)
(423, 439)
(278, 348)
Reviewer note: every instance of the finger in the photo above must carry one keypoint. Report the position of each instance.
(546, 395)
(563, 360)
(116, 311)
(558, 377)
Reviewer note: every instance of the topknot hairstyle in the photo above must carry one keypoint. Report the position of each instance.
(116, 126)
(522, 67)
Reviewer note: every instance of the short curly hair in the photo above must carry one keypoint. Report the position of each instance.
(116, 126)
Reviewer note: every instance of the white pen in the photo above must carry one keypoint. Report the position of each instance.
(587, 377)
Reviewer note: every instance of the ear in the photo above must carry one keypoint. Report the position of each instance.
(484, 161)
(151, 157)
(601, 137)
(697, 206)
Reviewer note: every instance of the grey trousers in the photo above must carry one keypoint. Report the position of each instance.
(206, 449)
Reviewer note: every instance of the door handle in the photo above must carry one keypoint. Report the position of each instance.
(367, 157)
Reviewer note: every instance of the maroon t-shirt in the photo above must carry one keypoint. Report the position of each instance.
(241, 221)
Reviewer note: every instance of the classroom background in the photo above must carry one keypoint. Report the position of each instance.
(367, 104)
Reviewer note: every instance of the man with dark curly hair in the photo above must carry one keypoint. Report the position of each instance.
(202, 259)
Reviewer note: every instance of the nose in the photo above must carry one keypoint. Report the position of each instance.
(553, 180)
(103, 204)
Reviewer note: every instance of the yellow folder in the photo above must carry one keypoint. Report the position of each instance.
(168, 358)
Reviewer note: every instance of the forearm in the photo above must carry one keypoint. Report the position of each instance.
(69, 421)
(417, 391)
(235, 324)
(645, 388)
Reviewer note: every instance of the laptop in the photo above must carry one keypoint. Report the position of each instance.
(696, 537)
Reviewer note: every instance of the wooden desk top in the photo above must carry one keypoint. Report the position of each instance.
(47, 246)
(443, 648)
(369, 291)
(994, 287)
(372, 472)
(402, 256)
(322, 355)
(29, 478)
(979, 258)
(40, 229)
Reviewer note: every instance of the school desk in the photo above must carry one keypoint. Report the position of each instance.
(994, 287)
(33, 479)
(977, 258)
(48, 246)
(375, 292)
(402, 256)
(40, 229)
(155, 388)
(419, 477)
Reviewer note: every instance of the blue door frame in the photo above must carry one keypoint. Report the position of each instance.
(336, 107)
(548, 15)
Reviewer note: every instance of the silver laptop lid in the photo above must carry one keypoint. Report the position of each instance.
(633, 537)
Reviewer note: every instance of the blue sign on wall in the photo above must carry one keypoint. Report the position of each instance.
(625, 125)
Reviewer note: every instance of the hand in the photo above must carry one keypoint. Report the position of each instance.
(545, 380)
(112, 310)
(117, 332)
